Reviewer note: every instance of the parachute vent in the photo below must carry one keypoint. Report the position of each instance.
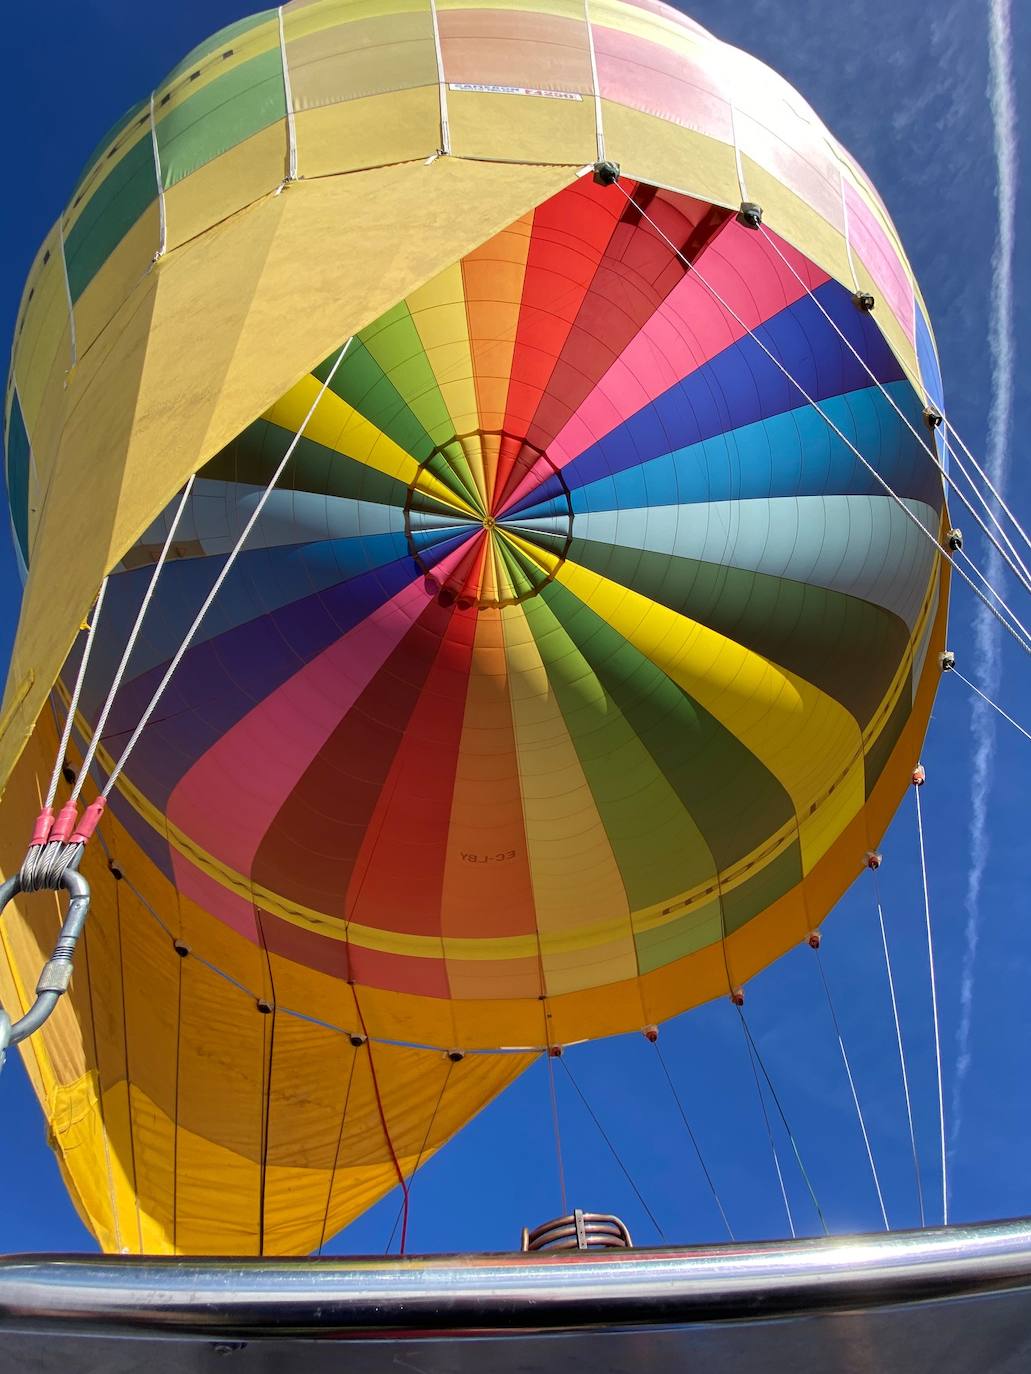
(581, 1231)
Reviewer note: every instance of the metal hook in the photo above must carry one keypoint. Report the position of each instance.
(57, 971)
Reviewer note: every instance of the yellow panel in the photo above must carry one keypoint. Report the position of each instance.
(438, 313)
(44, 336)
(372, 132)
(651, 149)
(116, 279)
(226, 184)
(522, 128)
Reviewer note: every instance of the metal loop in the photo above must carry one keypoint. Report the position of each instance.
(57, 971)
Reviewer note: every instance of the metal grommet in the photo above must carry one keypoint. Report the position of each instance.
(862, 300)
(264, 1006)
(750, 214)
(181, 948)
(357, 1040)
(606, 173)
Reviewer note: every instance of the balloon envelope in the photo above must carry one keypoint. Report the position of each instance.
(573, 664)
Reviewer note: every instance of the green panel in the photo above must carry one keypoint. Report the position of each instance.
(109, 214)
(254, 455)
(17, 468)
(394, 343)
(847, 647)
(889, 736)
(362, 383)
(222, 114)
(733, 799)
(687, 934)
(115, 136)
(755, 894)
(656, 844)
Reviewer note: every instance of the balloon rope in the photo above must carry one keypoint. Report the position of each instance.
(613, 1151)
(1023, 638)
(769, 1129)
(255, 515)
(902, 1053)
(934, 1006)
(422, 1149)
(386, 1133)
(1016, 563)
(954, 672)
(692, 1138)
(780, 1111)
(73, 705)
(336, 1153)
(852, 1086)
(556, 1131)
(130, 643)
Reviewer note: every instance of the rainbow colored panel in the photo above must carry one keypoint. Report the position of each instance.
(572, 639)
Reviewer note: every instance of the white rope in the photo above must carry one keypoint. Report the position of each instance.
(994, 705)
(288, 97)
(73, 705)
(445, 128)
(951, 428)
(1024, 638)
(599, 129)
(1016, 563)
(130, 644)
(902, 1054)
(934, 1010)
(852, 1086)
(162, 227)
(223, 574)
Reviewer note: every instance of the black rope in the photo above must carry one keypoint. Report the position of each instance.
(614, 1152)
(422, 1151)
(780, 1112)
(693, 1139)
(336, 1153)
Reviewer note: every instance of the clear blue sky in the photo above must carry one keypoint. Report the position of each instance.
(904, 85)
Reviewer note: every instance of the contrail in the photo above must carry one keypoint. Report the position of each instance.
(1002, 350)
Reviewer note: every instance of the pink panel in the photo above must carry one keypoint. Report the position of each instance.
(231, 909)
(688, 329)
(647, 77)
(515, 49)
(224, 796)
(871, 243)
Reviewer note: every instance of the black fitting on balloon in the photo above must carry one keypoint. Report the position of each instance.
(750, 214)
(862, 300)
(454, 1056)
(954, 539)
(932, 417)
(357, 1040)
(181, 948)
(947, 659)
(264, 1006)
(606, 173)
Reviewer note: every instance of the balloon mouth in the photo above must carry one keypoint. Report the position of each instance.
(488, 521)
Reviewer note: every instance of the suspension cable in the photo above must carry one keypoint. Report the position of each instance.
(1016, 563)
(1024, 637)
(613, 1151)
(994, 705)
(693, 1139)
(852, 1086)
(422, 1149)
(549, 1059)
(73, 705)
(784, 1121)
(234, 553)
(130, 643)
(951, 428)
(902, 1053)
(769, 1131)
(336, 1152)
(918, 781)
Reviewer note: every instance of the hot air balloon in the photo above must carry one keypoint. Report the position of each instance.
(552, 391)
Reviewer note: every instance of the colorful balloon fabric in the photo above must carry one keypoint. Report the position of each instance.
(574, 663)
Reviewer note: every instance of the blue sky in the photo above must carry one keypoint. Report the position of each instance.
(904, 85)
